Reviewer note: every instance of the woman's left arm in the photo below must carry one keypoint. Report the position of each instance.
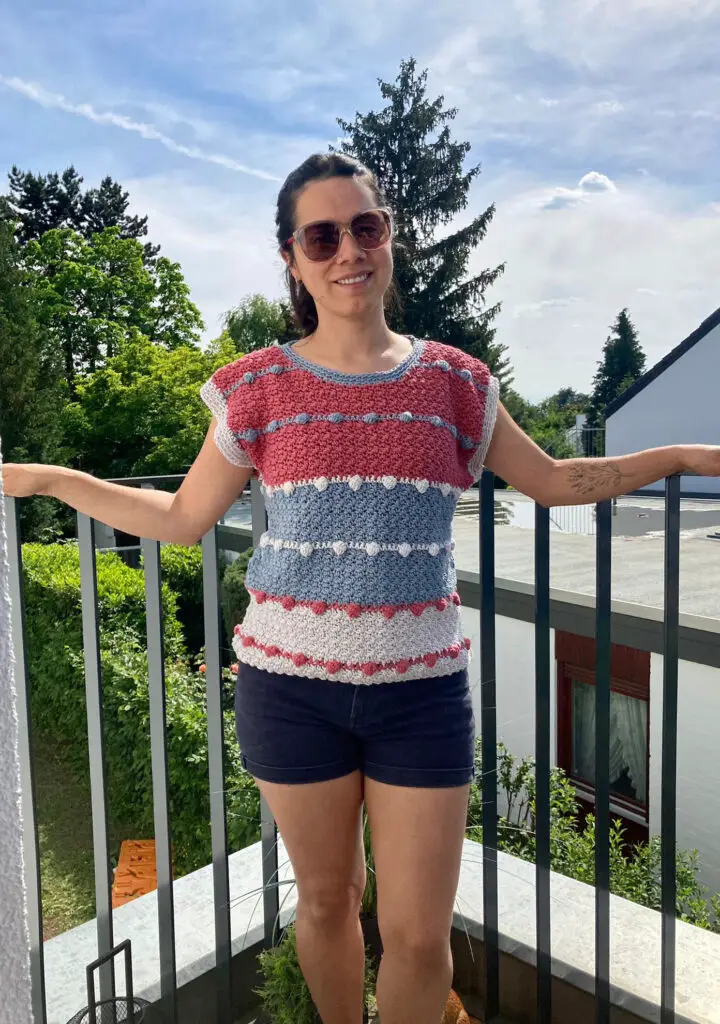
(516, 458)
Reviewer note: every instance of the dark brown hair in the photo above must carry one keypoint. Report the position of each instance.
(319, 167)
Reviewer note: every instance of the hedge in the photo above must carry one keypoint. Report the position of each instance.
(56, 667)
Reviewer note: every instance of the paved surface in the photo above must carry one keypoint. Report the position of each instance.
(637, 572)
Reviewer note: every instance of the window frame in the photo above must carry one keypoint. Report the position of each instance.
(630, 675)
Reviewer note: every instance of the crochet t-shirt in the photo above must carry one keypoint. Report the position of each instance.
(354, 579)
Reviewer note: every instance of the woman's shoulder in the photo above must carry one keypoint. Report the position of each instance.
(461, 363)
(252, 366)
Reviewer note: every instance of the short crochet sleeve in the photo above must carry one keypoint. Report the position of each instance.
(220, 395)
(486, 394)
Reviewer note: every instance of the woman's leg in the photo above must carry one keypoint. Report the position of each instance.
(321, 826)
(417, 837)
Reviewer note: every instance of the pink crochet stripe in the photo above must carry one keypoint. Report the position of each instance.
(355, 610)
(368, 668)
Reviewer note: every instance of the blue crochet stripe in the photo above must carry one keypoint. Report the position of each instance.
(303, 418)
(373, 513)
(251, 376)
(466, 375)
(352, 578)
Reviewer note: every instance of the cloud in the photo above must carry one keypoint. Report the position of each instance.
(591, 184)
(37, 94)
(646, 249)
(535, 310)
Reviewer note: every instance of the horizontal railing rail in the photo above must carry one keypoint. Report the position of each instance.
(220, 537)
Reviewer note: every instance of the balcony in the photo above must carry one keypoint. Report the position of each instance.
(530, 944)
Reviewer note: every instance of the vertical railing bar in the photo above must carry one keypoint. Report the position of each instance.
(602, 762)
(216, 776)
(96, 749)
(268, 827)
(30, 841)
(542, 762)
(489, 745)
(669, 746)
(159, 760)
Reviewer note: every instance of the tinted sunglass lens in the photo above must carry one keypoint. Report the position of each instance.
(321, 240)
(370, 230)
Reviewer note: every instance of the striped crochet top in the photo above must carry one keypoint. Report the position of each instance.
(355, 578)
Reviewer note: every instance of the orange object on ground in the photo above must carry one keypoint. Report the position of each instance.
(136, 872)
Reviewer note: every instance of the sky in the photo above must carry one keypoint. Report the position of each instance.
(596, 122)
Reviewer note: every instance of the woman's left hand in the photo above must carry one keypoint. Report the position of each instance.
(701, 459)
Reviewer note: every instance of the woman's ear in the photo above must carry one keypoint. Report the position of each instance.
(290, 263)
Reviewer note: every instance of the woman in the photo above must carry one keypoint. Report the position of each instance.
(352, 684)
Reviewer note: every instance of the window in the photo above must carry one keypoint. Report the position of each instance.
(629, 724)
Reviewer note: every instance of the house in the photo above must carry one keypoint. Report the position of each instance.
(637, 666)
(676, 402)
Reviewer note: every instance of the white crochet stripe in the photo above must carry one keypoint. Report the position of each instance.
(214, 399)
(321, 483)
(340, 547)
(477, 462)
(369, 637)
(257, 658)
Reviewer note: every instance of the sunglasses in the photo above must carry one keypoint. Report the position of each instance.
(321, 240)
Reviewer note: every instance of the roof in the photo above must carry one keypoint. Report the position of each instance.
(702, 331)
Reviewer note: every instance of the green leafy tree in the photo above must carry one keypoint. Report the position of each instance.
(258, 322)
(409, 147)
(32, 390)
(38, 203)
(141, 413)
(622, 363)
(93, 294)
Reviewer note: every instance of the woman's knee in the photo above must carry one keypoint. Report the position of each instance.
(416, 940)
(325, 902)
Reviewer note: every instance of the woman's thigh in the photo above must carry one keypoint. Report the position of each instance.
(417, 837)
(321, 827)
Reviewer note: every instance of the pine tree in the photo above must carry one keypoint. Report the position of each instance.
(408, 146)
(39, 203)
(622, 363)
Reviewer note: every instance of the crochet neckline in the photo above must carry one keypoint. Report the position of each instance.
(340, 376)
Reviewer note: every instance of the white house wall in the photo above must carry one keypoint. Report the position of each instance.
(678, 407)
(698, 796)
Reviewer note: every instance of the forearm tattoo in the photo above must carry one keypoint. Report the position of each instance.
(589, 476)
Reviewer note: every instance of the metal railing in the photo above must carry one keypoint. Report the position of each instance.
(211, 544)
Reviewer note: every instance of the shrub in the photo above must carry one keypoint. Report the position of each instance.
(234, 598)
(182, 570)
(56, 665)
(285, 995)
(635, 874)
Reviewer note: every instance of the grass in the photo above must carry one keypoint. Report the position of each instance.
(65, 833)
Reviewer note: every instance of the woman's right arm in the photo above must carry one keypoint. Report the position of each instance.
(211, 485)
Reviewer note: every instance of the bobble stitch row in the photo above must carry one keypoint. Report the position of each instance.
(340, 547)
(355, 483)
(303, 418)
(355, 610)
(368, 668)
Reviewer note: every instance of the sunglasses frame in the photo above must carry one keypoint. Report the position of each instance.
(345, 229)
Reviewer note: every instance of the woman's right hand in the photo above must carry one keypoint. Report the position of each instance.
(22, 480)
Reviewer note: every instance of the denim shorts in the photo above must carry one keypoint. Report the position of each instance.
(418, 733)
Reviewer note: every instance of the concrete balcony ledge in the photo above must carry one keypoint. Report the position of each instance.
(635, 947)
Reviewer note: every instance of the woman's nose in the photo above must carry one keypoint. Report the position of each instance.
(349, 248)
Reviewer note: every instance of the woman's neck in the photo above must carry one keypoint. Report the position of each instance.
(355, 348)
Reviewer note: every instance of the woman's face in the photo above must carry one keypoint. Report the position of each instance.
(342, 199)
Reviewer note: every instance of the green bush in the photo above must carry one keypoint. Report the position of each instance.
(635, 873)
(56, 665)
(182, 570)
(234, 598)
(284, 993)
